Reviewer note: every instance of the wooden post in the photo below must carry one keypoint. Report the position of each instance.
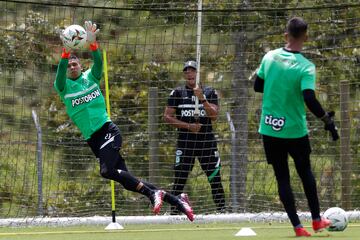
(345, 156)
(239, 117)
(153, 123)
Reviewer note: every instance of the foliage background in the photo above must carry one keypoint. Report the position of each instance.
(147, 43)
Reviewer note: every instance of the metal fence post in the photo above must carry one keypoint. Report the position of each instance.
(40, 210)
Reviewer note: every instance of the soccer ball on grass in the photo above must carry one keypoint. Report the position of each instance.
(338, 218)
(74, 37)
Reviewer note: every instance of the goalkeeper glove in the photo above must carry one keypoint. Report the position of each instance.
(65, 53)
(91, 32)
(328, 119)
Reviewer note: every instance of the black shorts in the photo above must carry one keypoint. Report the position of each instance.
(105, 144)
(206, 151)
(277, 149)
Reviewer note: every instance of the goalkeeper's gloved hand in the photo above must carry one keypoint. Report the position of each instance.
(65, 53)
(91, 32)
(328, 119)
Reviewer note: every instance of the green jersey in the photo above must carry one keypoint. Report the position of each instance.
(82, 97)
(286, 74)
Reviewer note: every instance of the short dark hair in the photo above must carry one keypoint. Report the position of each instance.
(296, 27)
(74, 57)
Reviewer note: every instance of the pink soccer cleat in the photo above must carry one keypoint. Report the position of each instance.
(301, 232)
(157, 200)
(319, 225)
(185, 206)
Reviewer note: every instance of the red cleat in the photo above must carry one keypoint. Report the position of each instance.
(185, 206)
(157, 200)
(319, 225)
(301, 232)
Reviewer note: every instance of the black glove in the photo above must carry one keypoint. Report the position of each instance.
(328, 119)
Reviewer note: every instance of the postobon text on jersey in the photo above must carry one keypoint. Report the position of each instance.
(87, 98)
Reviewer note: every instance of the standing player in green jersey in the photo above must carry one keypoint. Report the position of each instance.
(287, 80)
(85, 105)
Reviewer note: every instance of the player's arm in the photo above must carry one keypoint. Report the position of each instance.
(259, 84)
(312, 103)
(308, 90)
(315, 107)
(91, 31)
(307, 87)
(260, 76)
(212, 109)
(60, 79)
(169, 117)
(97, 67)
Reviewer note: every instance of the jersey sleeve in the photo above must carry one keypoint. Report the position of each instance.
(97, 67)
(173, 100)
(261, 71)
(60, 79)
(212, 96)
(308, 78)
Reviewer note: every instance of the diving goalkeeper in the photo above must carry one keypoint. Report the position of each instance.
(85, 105)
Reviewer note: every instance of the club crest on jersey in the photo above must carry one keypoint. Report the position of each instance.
(178, 153)
(276, 123)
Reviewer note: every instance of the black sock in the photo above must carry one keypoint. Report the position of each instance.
(132, 184)
(171, 199)
(145, 190)
(149, 185)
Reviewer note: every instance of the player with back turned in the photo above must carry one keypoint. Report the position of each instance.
(85, 105)
(287, 80)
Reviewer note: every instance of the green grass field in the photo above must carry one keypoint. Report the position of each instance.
(170, 232)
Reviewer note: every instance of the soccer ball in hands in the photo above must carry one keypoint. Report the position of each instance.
(338, 218)
(74, 37)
